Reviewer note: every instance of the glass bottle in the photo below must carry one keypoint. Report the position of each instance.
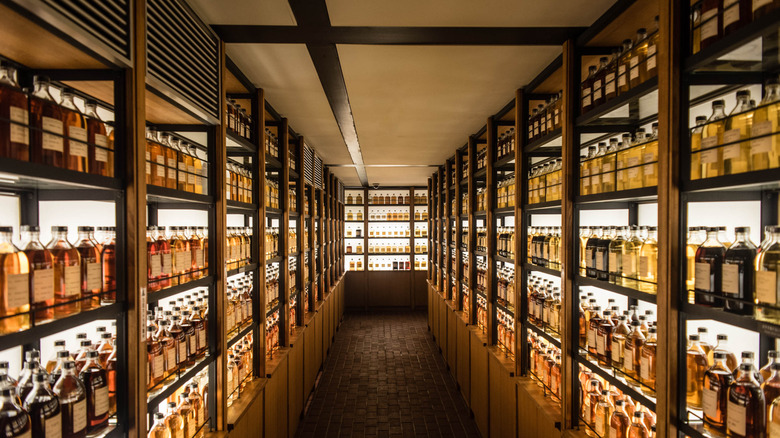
(44, 408)
(587, 90)
(632, 351)
(766, 370)
(767, 288)
(647, 362)
(736, 153)
(615, 250)
(598, 82)
(692, 245)
(108, 265)
(602, 414)
(73, 402)
(101, 154)
(638, 73)
(619, 336)
(41, 274)
(198, 404)
(708, 269)
(651, 64)
(771, 388)
(738, 273)
(638, 428)
(168, 344)
(197, 255)
(56, 371)
(180, 340)
(736, 14)
(156, 155)
(746, 412)
(185, 410)
(67, 273)
(624, 65)
(14, 116)
(95, 381)
(158, 430)
(590, 251)
(722, 347)
(619, 422)
(14, 420)
(76, 148)
(717, 380)
(630, 257)
(171, 162)
(14, 285)
(765, 148)
(602, 254)
(711, 22)
(696, 365)
(91, 271)
(712, 137)
(47, 140)
(174, 424)
(696, 137)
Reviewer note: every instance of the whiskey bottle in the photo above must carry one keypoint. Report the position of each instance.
(598, 82)
(632, 351)
(766, 370)
(41, 274)
(108, 265)
(638, 429)
(594, 321)
(619, 422)
(47, 140)
(101, 148)
(155, 357)
(14, 116)
(591, 400)
(738, 273)
(704, 342)
(722, 347)
(187, 413)
(180, 341)
(624, 65)
(765, 148)
(198, 404)
(696, 137)
(44, 408)
(168, 345)
(590, 251)
(736, 14)
(694, 241)
(76, 149)
(647, 362)
(166, 259)
(630, 258)
(191, 337)
(717, 380)
(158, 430)
(602, 414)
(14, 420)
(709, 265)
(602, 254)
(696, 365)
(615, 250)
(174, 424)
(63, 356)
(746, 413)
(94, 378)
(771, 388)
(649, 154)
(767, 264)
(638, 69)
(619, 336)
(587, 91)
(604, 340)
(73, 402)
(648, 262)
(59, 345)
(711, 22)
(14, 285)
(651, 64)
(91, 271)
(67, 273)
(171, 161)
(736, 136)
(712, 137)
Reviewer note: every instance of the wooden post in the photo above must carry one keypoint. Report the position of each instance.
(490, 225)
(284, 237)
(258, 244)
(472, 196)
(521, 346)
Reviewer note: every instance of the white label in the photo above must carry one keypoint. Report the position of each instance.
(592, 338)
(77, 149)
(615, 351)
(201, 413)
(629, 265)
(735, 418)
(599, 261)
(731, 152)
(158, 366)
(53, 426)
(43, 285)
(634, 72)
(201, 339)
(166, 263)
(761, 145)
(766, 286)
(595, 180)
(199, 258)
(730, 279)
(155, 264)
(190, 178)
(52, 142)
(644, 266)
(633, 161)
(599, 422)
(19, 133)
(18, 290)
(609, 83)
(94, 277)
(628, 359)
(101, 155)
(648, 157)
(709, 142)
(77, 133)
(702, 276)
(182, 178)
(171, 353)
(774, 430)
(191, 427)
(193, 343)
(148, 168)
(589, 258)
(102, 141)
(709, 25)
(649, 169)
(606, 167)
(621, 75)
(644, 368)
(709, 156)
(710, 402)
(161, 169)
(182, 351)
(730, 12)
(613, 432)
(172, 164)
(101, 400)
(601, 347)
(79, 416)
(759, 3)
(183, 261)
(586, 97)
(633, 172)
(72, 280)
(613, 262)
(650, 57)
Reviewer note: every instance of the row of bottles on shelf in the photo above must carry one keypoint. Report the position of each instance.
(505, 145)
(745, 140)
(239, 184)
(357, 199)
(272, 242)
(482, 315)
(41, 283)
(544, 303)
(626, 256)
(239, 307)
(505, 237)
(505, 286)
(239, 247)
(358, 232)
(389, 264)
(272, 285)
(482, 239)
(238, 119)
(394, 215)
(505, 328)
(464, 203)
(72, 396)
(356, 264)
(292, 199)
(481, 199)
(629, 67)
(271, 143)
(272, 333)
(481, 158)
(174, 164)
(544, 365)
(737, 399)
(714, 20)
(389, 247)
(292, 240)
(734, 275)
(355, 216)
(177, 257)
(544, 182)
(240, 369)
(272, 194)
(357, 250)
(187, 411)
(621, 165)
(545, 118)
(35, 127)
(505, 192)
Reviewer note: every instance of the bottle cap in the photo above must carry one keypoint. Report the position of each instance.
(747, 355)
(723, 337)
(86, 229)
(693, 337)
(719, 102)
(30, 228)
(59, 228)
(742, 229)
(719, 355)
(63, 354)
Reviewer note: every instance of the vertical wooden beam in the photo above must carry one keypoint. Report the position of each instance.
(670, 240)
(570, 336)
(472, 196)
(430, 231)
(300, 197)
(411, 246)
(284, 237)
(448, 229)
(521, 304)
(258, 244)
(490, 224)
(458, 231)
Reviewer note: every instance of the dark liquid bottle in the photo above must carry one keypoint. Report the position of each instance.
(590, 252)
(587, 89)
(96, 383)
(101, 155)
(91, 275)
(180, 341)
(736, 14)
(44, 408)
(711, 22)
(191, 338)
(14, 421)
(763, 7)
(47, 143)
(746, 412)
(715, 393)
(709, 267)
(599, 82)
(14, 117)
(602, 257)
(738, 273)
(73, 402)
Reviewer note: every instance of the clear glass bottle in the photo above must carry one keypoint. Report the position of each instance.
(76, 148)
(647, 362)
(67, 273)
(696, 138)
(638, 428)
(632, 351)
(14, 285)
(108, 265)
(651, 63)
(586, 89)
(91, 269)
(14, 116)
(73, 402)
(648, 262)
(47, 142)
(722, 347)
(712, 137)
(736, 136)
(619, 421)
(615, 249)
(630, 258)
(771, 387)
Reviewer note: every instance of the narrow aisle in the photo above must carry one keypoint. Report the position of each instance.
(385, 377)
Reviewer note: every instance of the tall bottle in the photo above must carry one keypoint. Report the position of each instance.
(14, 285)
(158, 429)
(632, 351)
(696, 365)
(174, 424)
(648, 262)
(767, 287)
(638, 73)
(587, 90)
(67, 273)
(746, 413)
(41, 274)
(736, 14)
(717, 380)
(711, 22)
(619, 421)
(156, 158)
(95, 381)
(47, 140)
(709, 268)
(647, 362)
(73, 402)
(765, 148)
(108, 265)
(739, 273)
(91, 271)
(166, 259)
(651, 64)
(630, 257)
(14, 420)
(624, 65)
(101, 154)
(14, 116)
(712, 137)
(44, 408)
(76, 148)
(736, 153)
(696, 137)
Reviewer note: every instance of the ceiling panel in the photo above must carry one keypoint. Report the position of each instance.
(399, 176)
(491, 13)
(347, 175)
(417, 104)
(266, 12)
(292, 87)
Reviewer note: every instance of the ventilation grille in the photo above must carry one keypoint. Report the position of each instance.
(308, 164)
(106, 20)
(318, 172)
(183, 54)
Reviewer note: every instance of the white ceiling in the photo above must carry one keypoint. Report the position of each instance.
(266, 12)
(347, 175)
(488, 13)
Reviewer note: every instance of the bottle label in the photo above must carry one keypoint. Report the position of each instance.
(586, 97)
(193, 341)
(182, 347)
(629, 265)
(43, 285)
(709, 24)
(730, 12)
(592, 338)
(18, 290)
(766, 287)
(78, 149)
(774, 430)
(709, 156)
(191, 428)
(633, 161)
(644, 368)
(615, 351)
(606, 167)
(148, 168)
(199, 258)
(191, 178)
(171, 358)
(166, 263)
(172, 163)
(53, 426)
(599, 261)
(595, 180)
(633, 172)
(158, 366)
(702, 281)
(94, 276)
(601, 345)
(622, 75)
(649, 169)
(613, 433)
(201, 338)
(100, 401)
(736, 418)
(644, 266)
(182, 175)
(710, 402)
(19, 131)
(589, 258)
(634, 72)
(761, 145)
(27, 434)
(201, 413)
(730, 279)
(650, 63)
(161, 168)
(155, 265)
(72, 280)
(597, 90)
(101, 154)
(609, 86)
(79, 419)
(760, 3)
(52, 142)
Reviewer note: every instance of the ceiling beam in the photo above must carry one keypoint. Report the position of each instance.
(388, 35)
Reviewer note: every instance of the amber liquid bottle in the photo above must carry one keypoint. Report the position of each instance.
(168, 344)
(108, 265)
(715, 393)
(198, 404)
(174, 424)
(158, 429)
(696, 364)
(14, 285)
(14, 421)
(101, 152)
(709, 268)
(620, 421)
(197, 254)
(739, 273)
(41, 274)
(47, 141)
(746, 413)
(587, 90)
(166, 259)
(67, 273)
(191, 338)
(711, 22)
(95, 380)
(76, 148)
(171, 163)
(91, 271)
(154, 357)
(771, 388)
(44, 408)
(632, 352)
(180, 341)
(647, 366)
(14, 117)
(73, 402)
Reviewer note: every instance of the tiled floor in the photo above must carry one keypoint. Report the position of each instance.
(385, 377)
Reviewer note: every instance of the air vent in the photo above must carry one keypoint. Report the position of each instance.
(106, 20)
(308, 164)
(318, 172)
(183, 54)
